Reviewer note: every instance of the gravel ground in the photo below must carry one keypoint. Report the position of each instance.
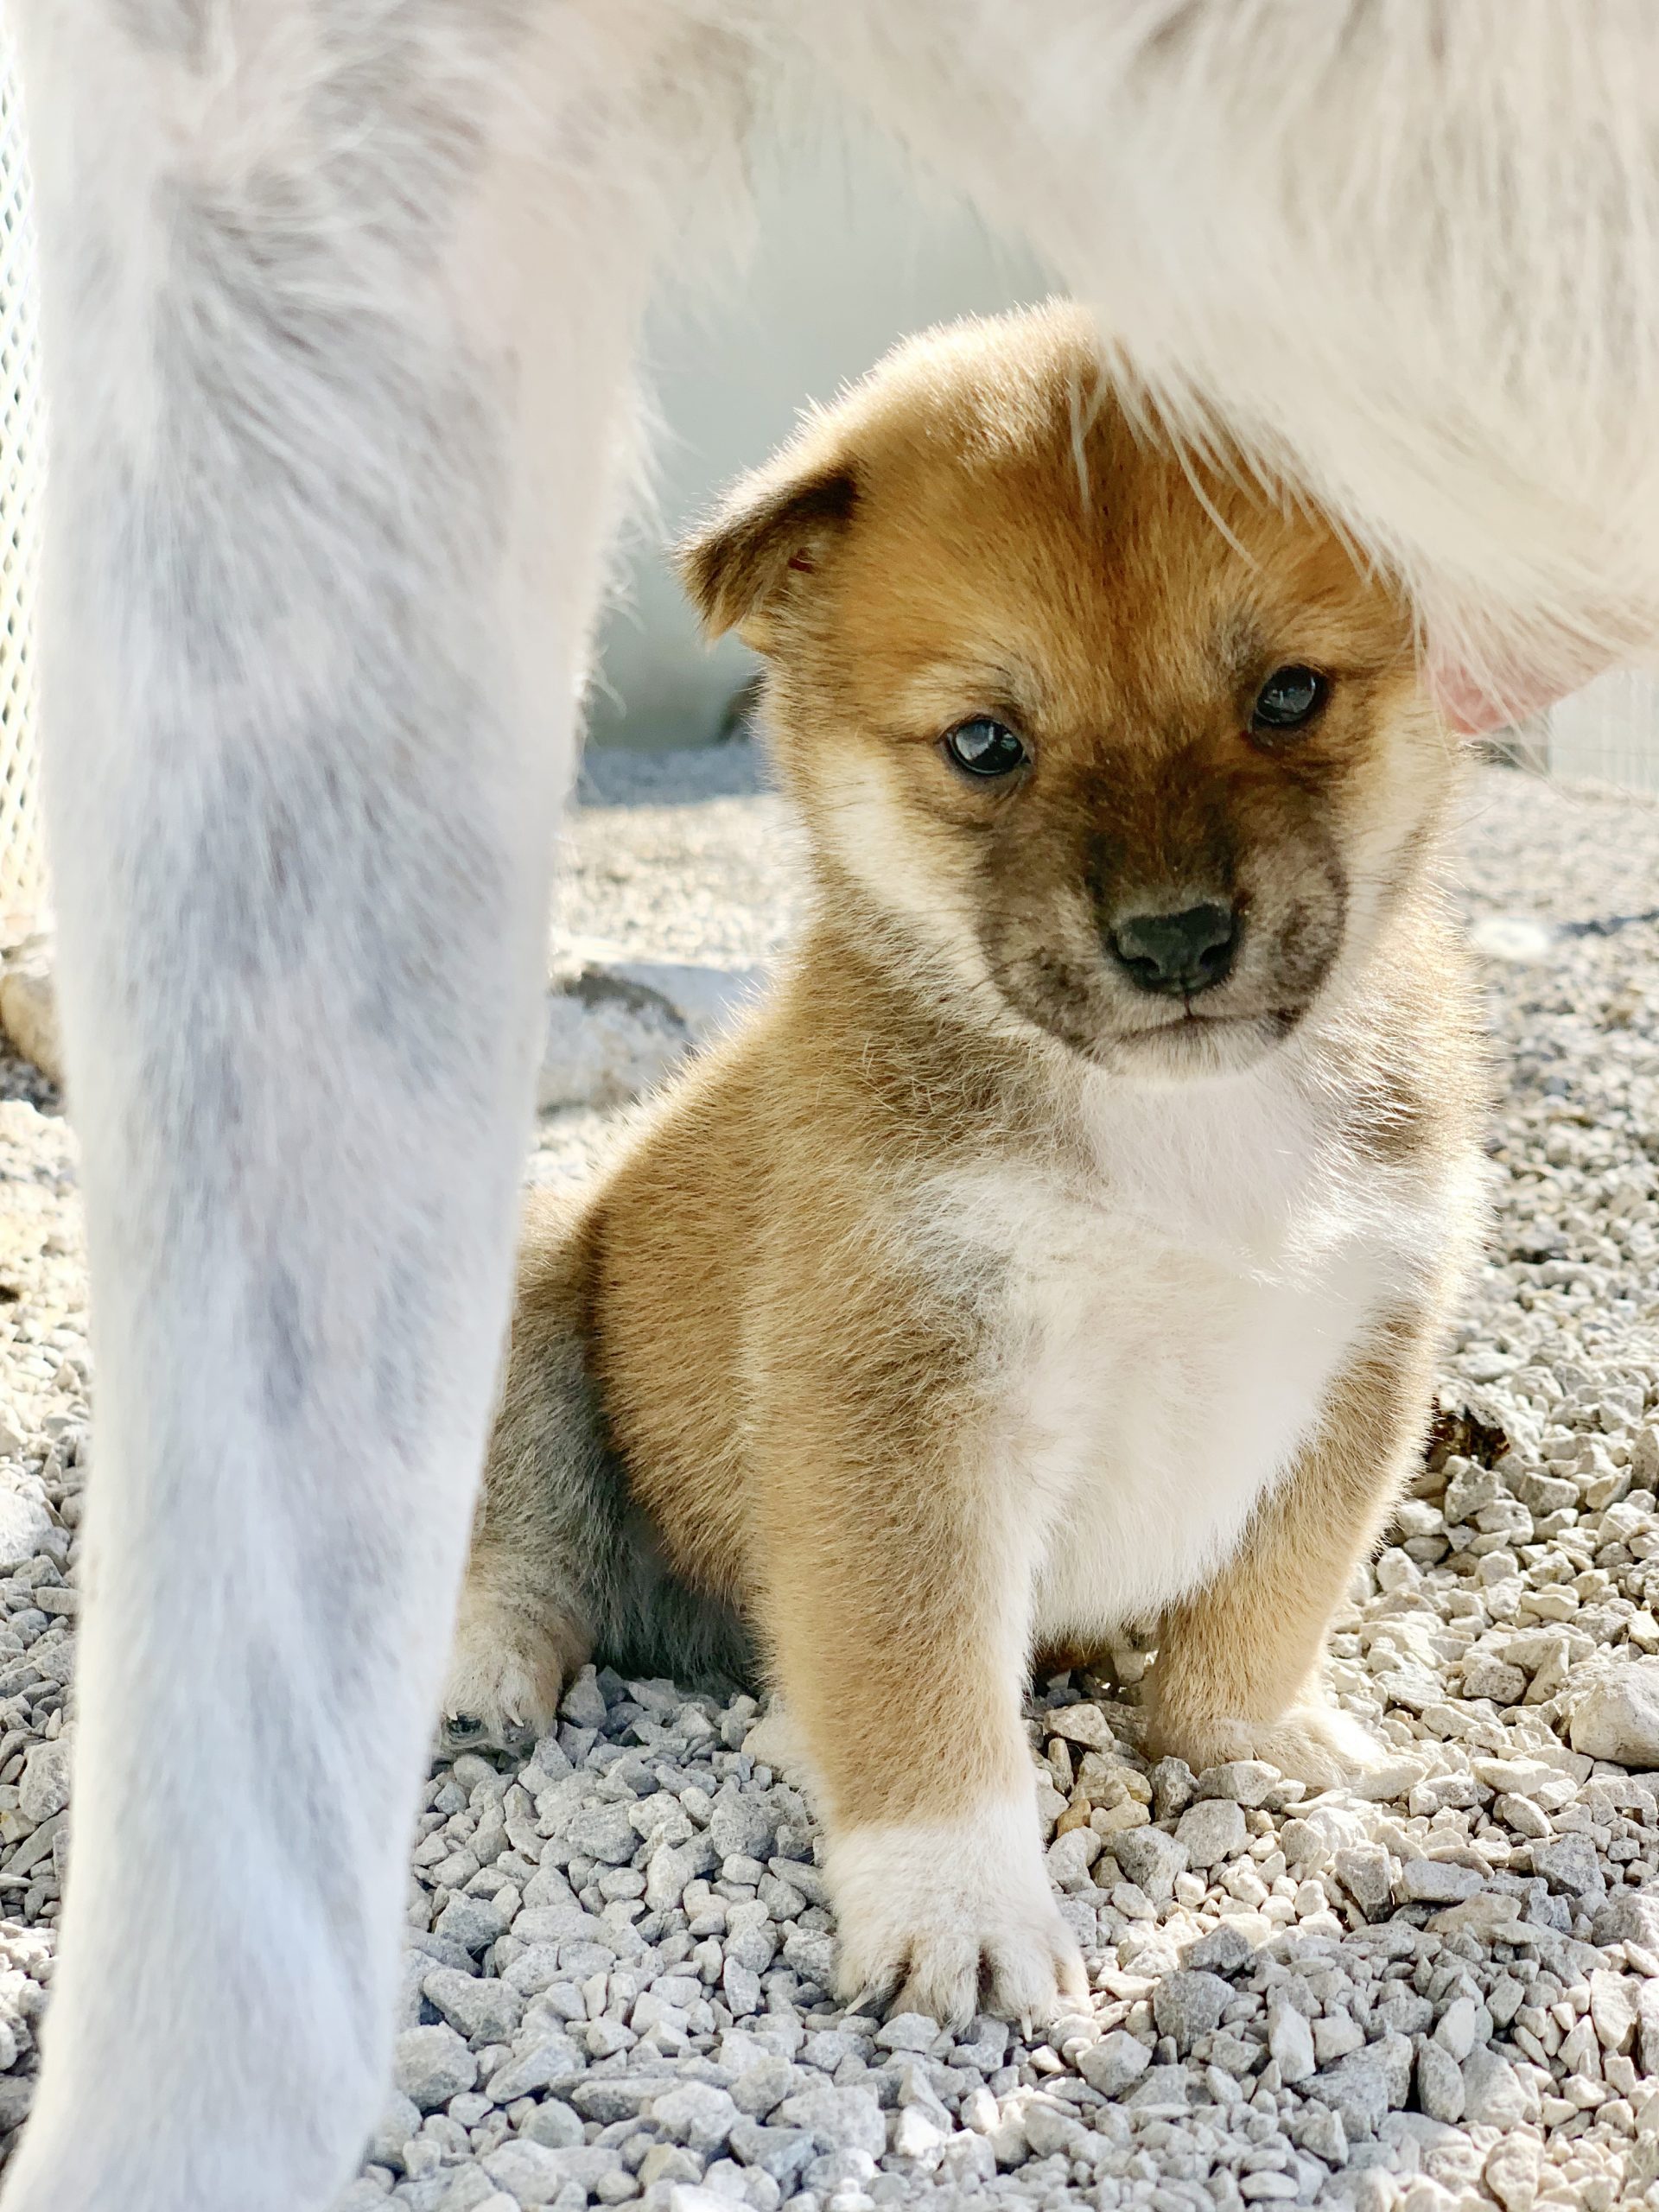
(1445, 1992)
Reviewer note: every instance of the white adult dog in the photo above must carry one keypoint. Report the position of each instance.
(341, 296)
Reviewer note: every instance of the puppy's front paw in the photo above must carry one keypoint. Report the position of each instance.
(1314, 1742)
(506, 1670)
(954, 1918)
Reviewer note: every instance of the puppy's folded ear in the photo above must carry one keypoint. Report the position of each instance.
(768, 536)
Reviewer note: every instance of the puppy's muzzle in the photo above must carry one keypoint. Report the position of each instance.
(1178, 954)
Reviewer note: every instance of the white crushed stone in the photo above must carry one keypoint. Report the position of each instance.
(1441, 1992)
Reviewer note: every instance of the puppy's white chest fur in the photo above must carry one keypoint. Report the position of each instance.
(1167, 1328)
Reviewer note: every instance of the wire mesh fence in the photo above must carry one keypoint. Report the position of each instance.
(23, 870)
(1608, 733)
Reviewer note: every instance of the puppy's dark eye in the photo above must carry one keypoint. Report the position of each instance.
(1289, 700)
(982, 747)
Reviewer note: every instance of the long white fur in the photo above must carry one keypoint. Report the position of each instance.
(341, 298)
(1410, 247)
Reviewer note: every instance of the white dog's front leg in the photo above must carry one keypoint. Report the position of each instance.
(339, 318)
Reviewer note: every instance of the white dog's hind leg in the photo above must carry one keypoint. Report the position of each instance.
(339, 305)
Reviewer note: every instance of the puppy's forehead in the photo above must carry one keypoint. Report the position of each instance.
(1019, 514)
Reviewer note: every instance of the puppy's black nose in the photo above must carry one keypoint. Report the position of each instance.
(1186, 952)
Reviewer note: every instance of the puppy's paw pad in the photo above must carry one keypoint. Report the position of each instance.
(1325, 1747)
(1020, 1973)
(1314, 1743)
(502, 1693)
(1029, 1976)
(474, 1731)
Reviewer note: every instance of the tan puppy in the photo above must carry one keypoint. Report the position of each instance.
(1065, 1243)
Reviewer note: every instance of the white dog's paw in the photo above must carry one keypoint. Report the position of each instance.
(954, 1918)
(505, 1675)
(1314, 1742)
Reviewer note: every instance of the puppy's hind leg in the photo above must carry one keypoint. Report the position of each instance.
(519, 1636)
(527, 1607)
(565, 1565)
(339, 307)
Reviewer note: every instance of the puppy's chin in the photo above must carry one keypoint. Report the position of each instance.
(1137, 1044)
(1194, 1047)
